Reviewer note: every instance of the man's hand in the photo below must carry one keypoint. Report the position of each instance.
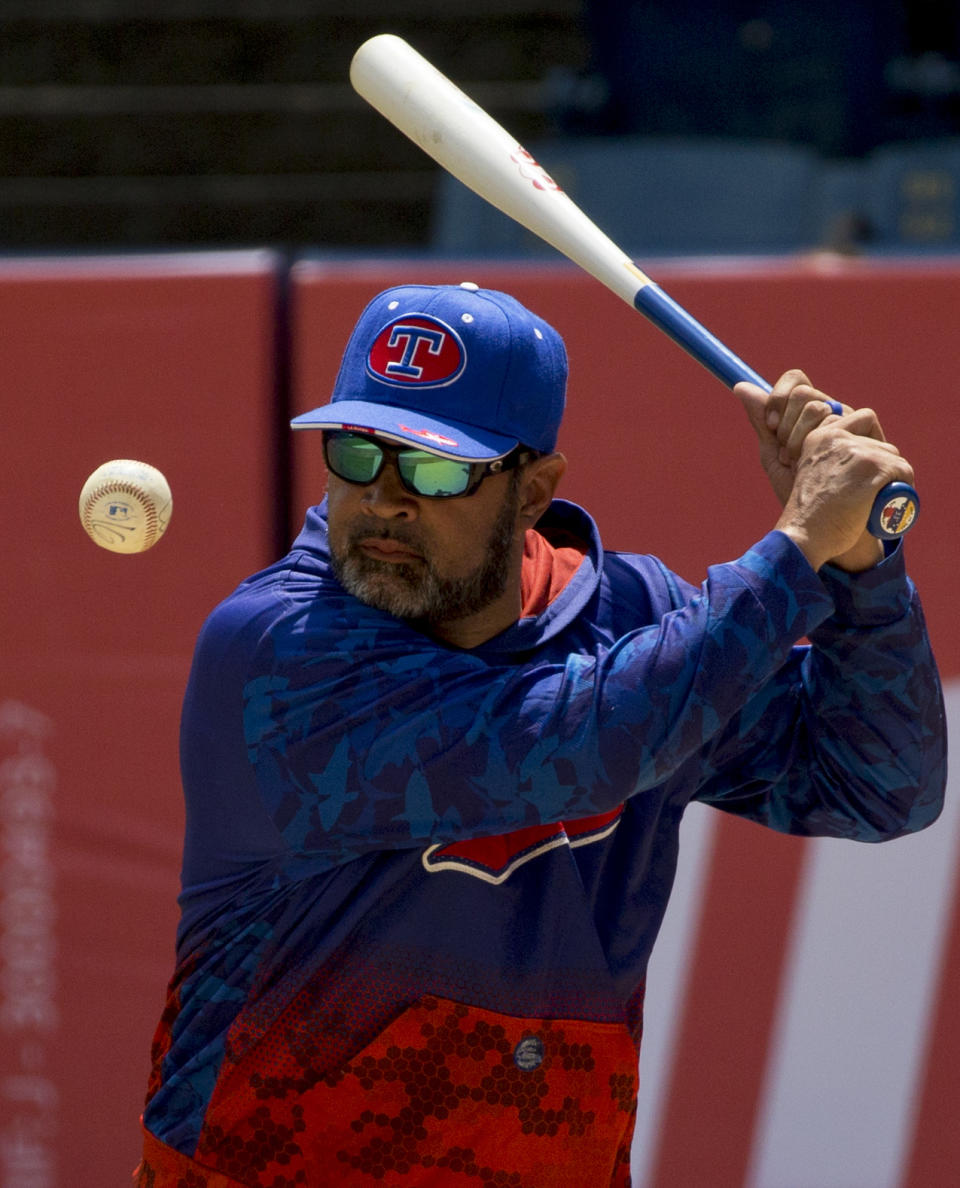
(825, 469)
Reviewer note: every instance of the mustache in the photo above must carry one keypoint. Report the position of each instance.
(399, 533)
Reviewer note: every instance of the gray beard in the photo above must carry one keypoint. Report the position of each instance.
(417, 591)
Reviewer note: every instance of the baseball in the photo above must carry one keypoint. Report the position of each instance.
(125, 506)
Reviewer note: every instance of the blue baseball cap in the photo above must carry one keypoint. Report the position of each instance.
(457, 370)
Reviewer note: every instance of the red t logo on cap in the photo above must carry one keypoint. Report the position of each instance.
(417, 350)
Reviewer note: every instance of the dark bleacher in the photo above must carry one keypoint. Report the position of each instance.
(714, 126)
(714, 195)
(142, 123)
(659, 195)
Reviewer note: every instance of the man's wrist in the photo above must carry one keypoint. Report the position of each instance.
(805, 543)
(865, 554)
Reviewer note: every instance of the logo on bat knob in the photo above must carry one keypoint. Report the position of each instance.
(898, 515)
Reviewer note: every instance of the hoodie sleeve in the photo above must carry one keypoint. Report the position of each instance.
(364, 734)
(849, 738)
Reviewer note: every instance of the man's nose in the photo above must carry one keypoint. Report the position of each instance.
(387, 497)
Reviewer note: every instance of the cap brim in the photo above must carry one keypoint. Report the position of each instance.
(450, 439)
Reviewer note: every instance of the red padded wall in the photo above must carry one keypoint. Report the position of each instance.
(169, 360)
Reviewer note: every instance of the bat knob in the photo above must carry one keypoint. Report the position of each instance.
(894, 512)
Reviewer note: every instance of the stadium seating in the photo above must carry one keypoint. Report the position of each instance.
(911, 194)
(655, 196)
(706, 195)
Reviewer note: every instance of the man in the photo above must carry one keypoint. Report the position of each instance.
(435, 762)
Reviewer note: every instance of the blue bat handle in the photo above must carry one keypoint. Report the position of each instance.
(895, 508)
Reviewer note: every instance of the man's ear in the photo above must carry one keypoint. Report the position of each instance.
(538, 483)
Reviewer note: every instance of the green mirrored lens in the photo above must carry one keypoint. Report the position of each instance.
(354, 458)
(429, 475)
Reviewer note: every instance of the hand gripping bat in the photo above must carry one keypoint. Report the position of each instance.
(436, 115)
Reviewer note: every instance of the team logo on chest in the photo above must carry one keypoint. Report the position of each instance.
(418, 351)
(494, 859)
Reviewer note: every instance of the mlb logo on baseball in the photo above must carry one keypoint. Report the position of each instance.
(125, 506)
(417, 350)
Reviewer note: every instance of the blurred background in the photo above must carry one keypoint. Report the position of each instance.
(160, 123)
(194, 208)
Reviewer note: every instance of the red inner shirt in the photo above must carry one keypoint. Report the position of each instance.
(546, 570)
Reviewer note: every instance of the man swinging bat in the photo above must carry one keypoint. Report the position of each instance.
(471, 146)
(435, 762)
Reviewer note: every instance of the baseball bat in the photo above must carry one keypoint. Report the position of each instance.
(469, 144)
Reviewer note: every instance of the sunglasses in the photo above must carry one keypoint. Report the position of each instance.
(359, 458)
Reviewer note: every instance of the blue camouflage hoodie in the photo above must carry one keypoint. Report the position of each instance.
(421, 884)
